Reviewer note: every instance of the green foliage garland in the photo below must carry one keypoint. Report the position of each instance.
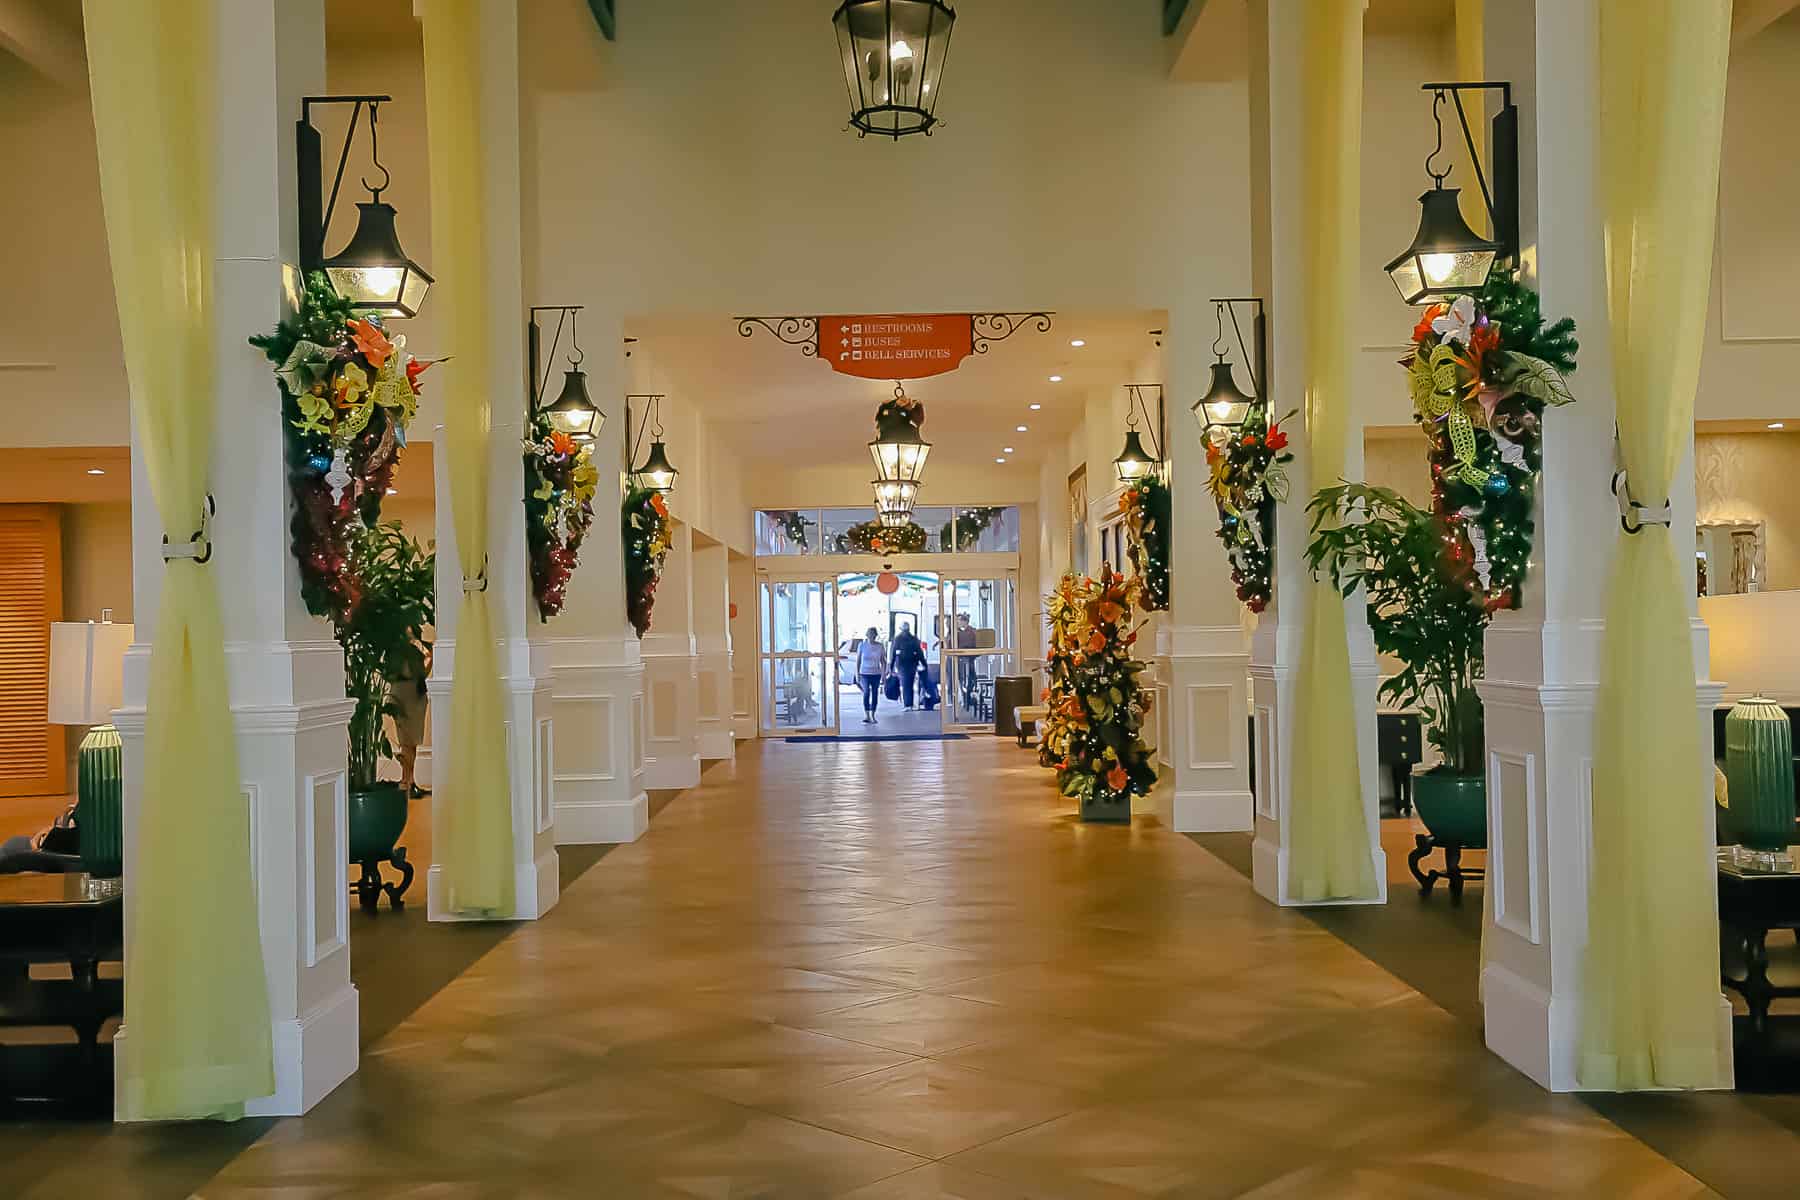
(1093, 737)
(1248, 476)
(1481, 373)
(1374, 539)
(644, 529)
(968, 526)
(1150, 510)
(872, 537)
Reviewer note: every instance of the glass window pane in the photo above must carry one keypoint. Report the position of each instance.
(795, 693)
(797, 624)
(987, 529)
(787, 531)
(936, 523)
(835, 522)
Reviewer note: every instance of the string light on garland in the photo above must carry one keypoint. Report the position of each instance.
(1149, 512)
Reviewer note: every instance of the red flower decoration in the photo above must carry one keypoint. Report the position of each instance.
(1278, 438)
(1423, 329)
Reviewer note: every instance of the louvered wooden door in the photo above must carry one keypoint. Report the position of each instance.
(32, 761)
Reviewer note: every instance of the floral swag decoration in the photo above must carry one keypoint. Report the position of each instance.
(1149, 510)
(872, 537)
(644, 526)
(1093, 735)
(1481, 372)
(348, 393)
(1248, 478)
(560, 481)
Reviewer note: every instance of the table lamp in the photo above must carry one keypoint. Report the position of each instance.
(87, 660)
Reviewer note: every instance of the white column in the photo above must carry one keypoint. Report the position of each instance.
(1202, 658)
(286, 670)
(672, 673)
(1281, 275)
(525, 668)
(741, 589)
(596, 662)
(712, 642)
(1543, 661)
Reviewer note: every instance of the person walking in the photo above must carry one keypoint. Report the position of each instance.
(966, 640)
(908, 656)
(871, 666)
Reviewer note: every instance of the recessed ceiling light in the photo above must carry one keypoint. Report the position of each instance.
(95, 471)
(1021, 429)
(1078, 343)
(1007, 449)
(1035, 407)
(1777, 424)
(1056, 379)
(999, 460)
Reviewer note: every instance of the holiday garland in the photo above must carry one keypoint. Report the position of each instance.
(560, 481)
(792, 526)
(1481, 372)
(644, 529)
(1092, 736)
(967, 527)
(872, 537)
(348, 392)
(1149, 509)
(1249, 476)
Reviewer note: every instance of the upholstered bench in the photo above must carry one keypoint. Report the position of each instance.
(1026, 716)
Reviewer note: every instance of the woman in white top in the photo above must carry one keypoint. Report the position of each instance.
(871, 668)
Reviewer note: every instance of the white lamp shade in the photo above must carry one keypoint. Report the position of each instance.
(87, 661)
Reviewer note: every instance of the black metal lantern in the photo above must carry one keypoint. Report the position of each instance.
(656, 472)
(1224, 407)
(1135, 462)
(893, 55)
(573, 412)
(1448, 259)
(372, 271)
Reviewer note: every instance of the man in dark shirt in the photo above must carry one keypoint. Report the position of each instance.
(907, 656)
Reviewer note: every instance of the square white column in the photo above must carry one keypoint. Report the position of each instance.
(525, 668)
(1282, 275)
(672, 673)
(286, 670)
(1543, 661)
(712, 643)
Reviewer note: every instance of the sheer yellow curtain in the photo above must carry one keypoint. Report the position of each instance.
(1470, 57)
(476, 792)
(1651, 980)
(196, 995)
(1329, 856)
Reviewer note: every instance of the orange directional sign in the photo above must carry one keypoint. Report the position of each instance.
(902, 346)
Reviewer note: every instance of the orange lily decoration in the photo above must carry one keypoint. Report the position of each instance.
(371, 343)
(1116, 779)
(561, 443)
(656, 502)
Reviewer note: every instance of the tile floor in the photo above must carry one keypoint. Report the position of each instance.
(904, 970)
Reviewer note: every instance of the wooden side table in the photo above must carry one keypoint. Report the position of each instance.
(1752, 903)
(69, 919)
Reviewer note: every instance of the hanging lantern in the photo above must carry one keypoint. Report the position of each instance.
(657, 473)
(1224, 406)
(898, 449)
(574, 411)
(1447, 259)
(893, 56)
(372, 271)
(894, 495)
(1134, 462)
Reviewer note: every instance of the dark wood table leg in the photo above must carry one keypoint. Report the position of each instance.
(1758, 992)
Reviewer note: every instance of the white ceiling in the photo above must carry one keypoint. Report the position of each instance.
(770, 401)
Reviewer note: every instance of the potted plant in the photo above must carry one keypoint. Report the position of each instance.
(1420, 613)
(383, 641)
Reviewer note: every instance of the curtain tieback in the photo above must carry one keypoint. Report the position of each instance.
(478, 581)
(1634, 516)
(199, 547)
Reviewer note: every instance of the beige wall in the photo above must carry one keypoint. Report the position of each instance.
(1395, 459)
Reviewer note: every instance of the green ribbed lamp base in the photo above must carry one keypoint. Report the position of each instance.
(100, 802)
(1759, 768)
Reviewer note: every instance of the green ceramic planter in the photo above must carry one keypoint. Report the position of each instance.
(377, 818)
(1453, 807)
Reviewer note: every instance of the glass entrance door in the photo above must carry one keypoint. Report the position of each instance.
(799, 658)
(979, 643)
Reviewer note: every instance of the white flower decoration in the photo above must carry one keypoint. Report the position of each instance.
(1457, 322)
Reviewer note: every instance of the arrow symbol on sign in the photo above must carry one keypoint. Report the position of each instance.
(842, 356)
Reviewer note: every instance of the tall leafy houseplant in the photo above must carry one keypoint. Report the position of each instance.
(1375, 539)
(383, 638)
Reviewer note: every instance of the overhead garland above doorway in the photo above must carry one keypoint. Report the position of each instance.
(895, 345)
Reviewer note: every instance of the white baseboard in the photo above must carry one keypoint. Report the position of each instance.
(672, 772)
(1212, 812)
(716, 744)
(601, 822)
(536, 887)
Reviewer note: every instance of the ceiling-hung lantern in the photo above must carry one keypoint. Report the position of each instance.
(893, 53)
(894, 495)
(896, 519)
(1447, 259)
(898, 450)
(372, 271)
